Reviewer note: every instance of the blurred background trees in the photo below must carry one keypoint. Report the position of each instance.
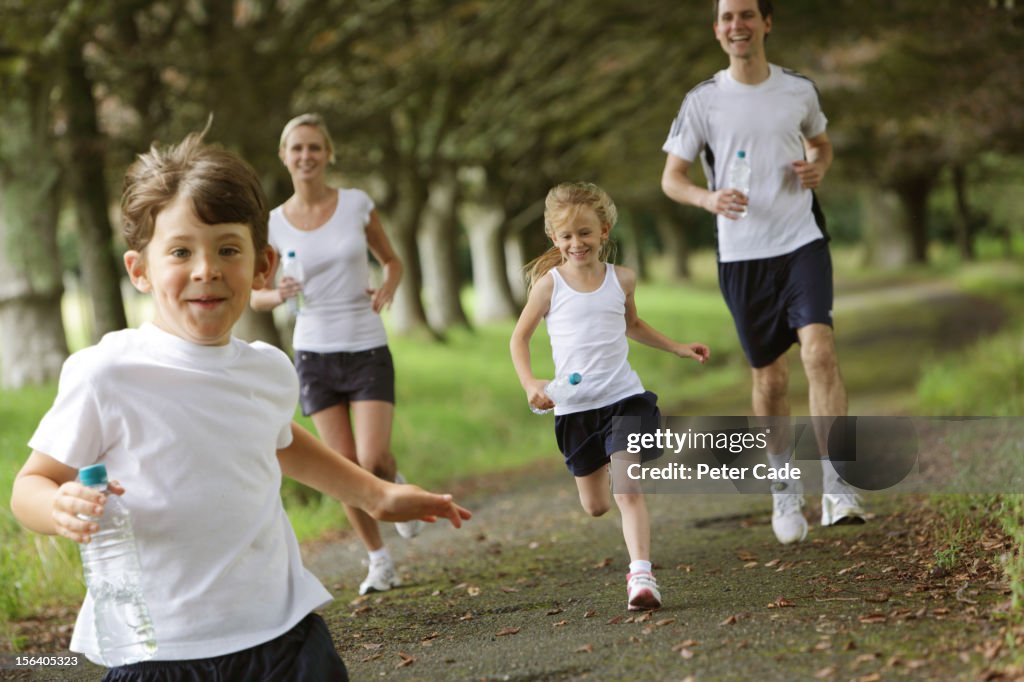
(458, 116)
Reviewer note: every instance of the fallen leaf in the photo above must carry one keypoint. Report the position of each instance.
(825, 673)
(772, 563)
(873, 618)
(407, 660)
(780, 603)
(468, 616)
(585, 649)
(731, 620)
(590, 614)
(507, 631)
(473, 591)
(371, 646)
(554, 612)
(746, 556)
(508, 590)
(614, 620)
(665, 621)
(685, 644)
(686, 653)
(879, 598)
(533, 545)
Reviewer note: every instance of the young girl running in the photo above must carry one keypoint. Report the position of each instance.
(590, 311)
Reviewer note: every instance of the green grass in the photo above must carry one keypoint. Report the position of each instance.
(461, 411)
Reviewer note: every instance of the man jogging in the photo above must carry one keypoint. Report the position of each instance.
(775, 270)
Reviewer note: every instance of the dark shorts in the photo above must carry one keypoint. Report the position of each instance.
(770, 298)
(329, 379)
(588, 439)
(306, 652)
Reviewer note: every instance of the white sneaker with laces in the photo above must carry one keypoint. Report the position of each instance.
(788, 520)
(840, 504)
(407, 529)
(642, 592)
(380, 578)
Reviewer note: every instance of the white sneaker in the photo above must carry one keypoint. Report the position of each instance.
(840, 504)
(788, 520)
(642, 592)
(407, 529)
(380, 578)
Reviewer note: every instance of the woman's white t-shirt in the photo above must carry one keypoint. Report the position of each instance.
(192, 433)
(338, 313)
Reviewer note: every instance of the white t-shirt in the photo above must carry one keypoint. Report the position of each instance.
(191, 432)
(768, 121)
(338, 313)
(588, 336)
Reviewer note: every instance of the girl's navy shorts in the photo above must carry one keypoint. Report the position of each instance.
(329, 379)
(588, 439)
(770, 298)
(306, 652)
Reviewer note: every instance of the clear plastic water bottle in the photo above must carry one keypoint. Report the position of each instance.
(560, 390)
(291, 267)
(113, 575)
(738, 177)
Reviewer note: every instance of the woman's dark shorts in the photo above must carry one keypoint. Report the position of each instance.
(329, 379)
(770, 298)
(588, 439)
(306, 652)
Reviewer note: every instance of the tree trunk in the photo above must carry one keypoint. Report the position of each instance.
(493, 294)
(33, 346)
(407, 313)
(515, 261)
(438, 247)
(964, 224)
(913, 193)
(628, 238)
(101, 271)
(885, 247)
(673, 239)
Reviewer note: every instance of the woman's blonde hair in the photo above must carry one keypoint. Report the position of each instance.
(561, 206)
(313, 120)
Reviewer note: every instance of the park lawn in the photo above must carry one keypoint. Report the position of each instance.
(460, 413)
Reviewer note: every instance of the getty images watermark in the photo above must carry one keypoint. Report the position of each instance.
(896, 454)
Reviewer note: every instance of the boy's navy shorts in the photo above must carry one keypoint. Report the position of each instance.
(770, 298)
(329, 379)
(306, 652)
(588, 439)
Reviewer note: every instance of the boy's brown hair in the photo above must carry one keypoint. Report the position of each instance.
(222, 186)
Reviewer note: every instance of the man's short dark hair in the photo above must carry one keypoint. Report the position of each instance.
(764, 5)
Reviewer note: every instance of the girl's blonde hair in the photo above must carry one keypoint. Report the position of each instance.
(561, 205)
(312, 120)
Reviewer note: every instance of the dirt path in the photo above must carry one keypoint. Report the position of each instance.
(533, 589)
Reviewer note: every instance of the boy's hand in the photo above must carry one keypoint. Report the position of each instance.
(74, 499)
(809, 173)
(697, 351)
(536, 396)
(405, 502)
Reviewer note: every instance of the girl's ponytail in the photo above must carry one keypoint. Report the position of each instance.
(540, 265)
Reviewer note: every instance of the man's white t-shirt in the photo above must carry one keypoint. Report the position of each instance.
(192, 433)
(769, 121)
(338, 313)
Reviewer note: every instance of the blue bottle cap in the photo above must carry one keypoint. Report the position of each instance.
(93, 475)
(291, 254)
(741, 154)
(575, 378)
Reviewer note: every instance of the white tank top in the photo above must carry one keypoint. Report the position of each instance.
(588, 335)
(338, 314)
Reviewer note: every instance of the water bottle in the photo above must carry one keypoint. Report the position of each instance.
(113, 575)
(291, 267)
(738, 177)
(560, 390)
